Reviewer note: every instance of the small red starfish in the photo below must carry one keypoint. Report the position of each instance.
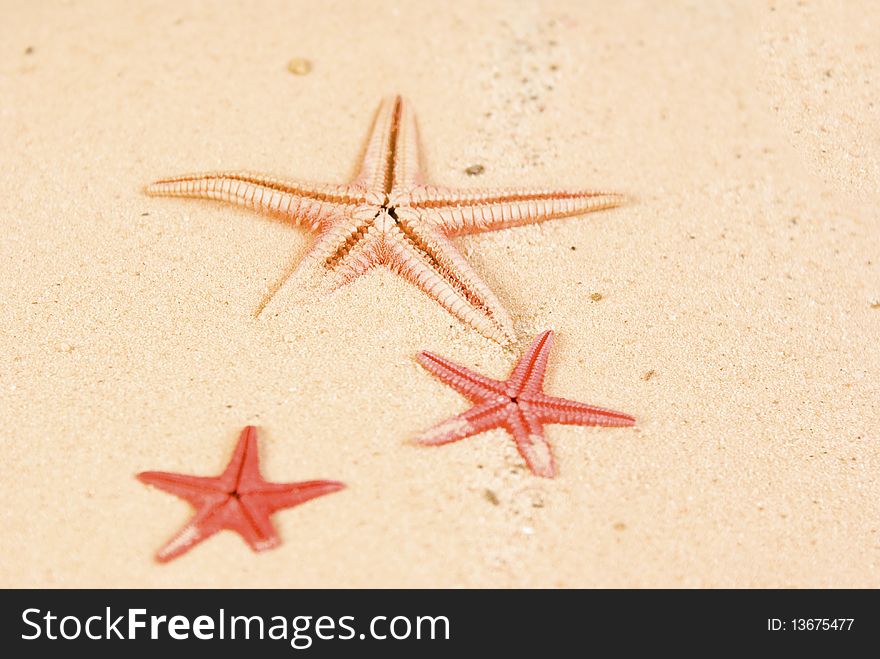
(517, 404)
(238, 499)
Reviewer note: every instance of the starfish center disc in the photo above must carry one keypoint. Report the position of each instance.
(385, 220)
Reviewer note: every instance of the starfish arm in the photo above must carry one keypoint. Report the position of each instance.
(195, 489)
(357, 247)
(461, 212)
(528, 434)
(305, 204)
(244, 466)
(479, 418)
(337, 256)
(475, 387)
(431, 262)
(251, 521)
(528, 374)
(376, 174)
(277, 496)
(407, 169)
(551, 409)
(201, 527)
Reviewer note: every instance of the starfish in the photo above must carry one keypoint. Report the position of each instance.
(518, 404)
(238, 500)
(389, 216)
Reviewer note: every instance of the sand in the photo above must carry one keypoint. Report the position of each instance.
(739, 318)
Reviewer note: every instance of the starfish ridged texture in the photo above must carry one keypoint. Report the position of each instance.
(389, 216)
(238, 500)
(518, 404)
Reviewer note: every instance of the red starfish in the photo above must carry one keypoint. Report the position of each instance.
(238, 499)
(389, 216)
(517, 404)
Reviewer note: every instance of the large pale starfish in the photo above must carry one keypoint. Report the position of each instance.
(238, 499)
(518, 404)
(389, 216)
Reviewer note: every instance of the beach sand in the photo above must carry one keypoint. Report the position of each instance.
(738, 321)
